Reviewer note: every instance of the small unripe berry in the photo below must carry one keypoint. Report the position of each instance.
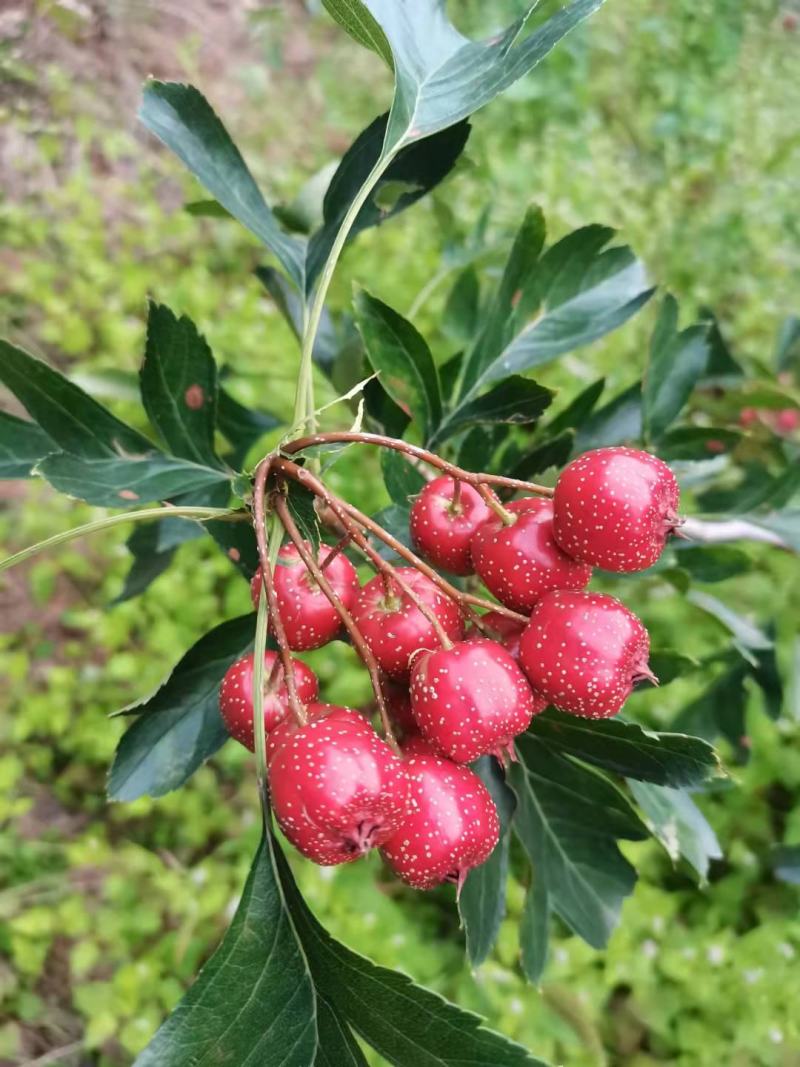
(506, 631)
(520, 562)
(336, 788)
(395, 628)
(236, 694)
(471, 699)
(615, 508)
(309, 618)
(450, 825)
(442, 523)
(584, 652)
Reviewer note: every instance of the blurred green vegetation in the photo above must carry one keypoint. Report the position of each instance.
(676, 123)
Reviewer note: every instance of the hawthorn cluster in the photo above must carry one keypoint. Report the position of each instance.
(456, 675)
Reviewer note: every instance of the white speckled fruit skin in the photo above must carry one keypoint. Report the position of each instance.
(395, 635)
(309, 618)
(236, 696)
(582, 652)
(451, 824)
(331, 781)
(471, 699)
(521, 562)
(615, 508)
(442, 535)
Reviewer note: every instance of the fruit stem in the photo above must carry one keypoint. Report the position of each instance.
(491, 501)
(361, 646)
(346, 436)
(337, 550)
(259, 522)
(455, 502)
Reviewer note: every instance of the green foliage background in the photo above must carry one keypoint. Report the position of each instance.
(674, 122)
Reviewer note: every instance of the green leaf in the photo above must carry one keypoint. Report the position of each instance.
(787, 349)
(179, 726)
(516, 401)
(22, 445)
(579, 292)
(254, 1001)
(461, 314)
(534, 930)
(477, 447)
(713, 563)
(442, 77)
(677, 362)
(552, 452)
(618, 422)
(241, 426)
(117, 481)
(413, 172)
(302, 505)
(182, 118)
(68, 415)
(153, 546)
(290, 304)
(767, 675)
(720, 710)
(402, 480)
(785, 523)
(336, 1045)
(668, 665)
(678, 824)
(356, 20)
(578, 410)
(747, 637)
(628, 749)
(483, 895)
(178, 381)
(394, 520)
(697, 442)
(400, 355)
(568, 820)
(721, 363)
(785, 861)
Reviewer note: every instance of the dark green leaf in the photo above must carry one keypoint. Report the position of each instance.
(713, 563)
(667, 665)
(354, 17)
(461, 313)
(767, 676)
(786, 863)
(153, 546)
(679, 825)
(254, 1001)
(414, 171)
(676, 363)
(391, 419)
(482, 902)
(628, 749)
(618, 422)
(336, 1046)
(402, 480)
(22, 445)
(721, 363)
(179, 726)
(534, 931)
(178, 380)
(747, 638)
(578, 410)
(515, 401)
(302, 504)
(116, 482)
(787, 350)
(697, 442)
(568, 820)
(786, 524)
(552, 452)
(290, 305)
(241, 426)
(720, 710)
(238, 541)
(68, 415)
(478, 446)
(182, 118)
(394, 520)
(400, 355)
(206, 209)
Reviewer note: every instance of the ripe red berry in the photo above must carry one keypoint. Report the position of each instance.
(521, 562)
(236, 694)
(450, 825)
(507, 631)
(584, 652)
(395, 628)
(471, 699)
(309, 618)
(615, 508)
(787, 420)
(337, 789)
(442, 525)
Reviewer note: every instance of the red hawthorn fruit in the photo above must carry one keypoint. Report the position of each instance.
(508, 631)
(309, 618)
(450, 825)
(236, 694)
(787, 420)
(395, 628)
(337, 789)
(521, 562)
(471, 699)
(747, 416)
(441, 529)
(615, 508)
(398, 703)
(584, 652)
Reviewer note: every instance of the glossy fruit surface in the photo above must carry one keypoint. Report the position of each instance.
(336, 788)
(309, 618)
(584, 652)
(236, 694)
(615, 508)
(451, 824)
(522, 561)
(442, 525)
(395, 628)
(471, 699)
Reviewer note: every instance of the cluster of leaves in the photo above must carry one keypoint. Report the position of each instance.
(479, 406)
